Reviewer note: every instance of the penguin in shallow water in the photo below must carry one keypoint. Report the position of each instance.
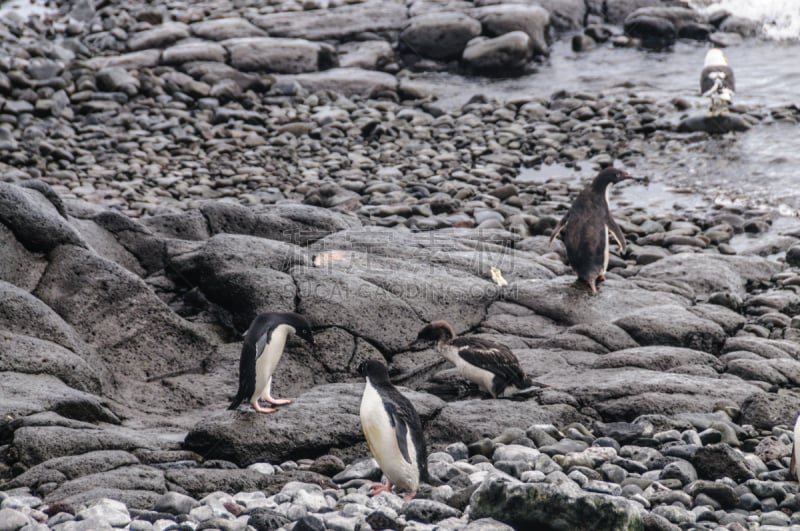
(717, 82)
(262, 350)
(492, 366)
(393, 431)
(588, 223)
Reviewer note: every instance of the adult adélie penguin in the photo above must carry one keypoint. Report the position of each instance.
(393, 431)
(588, 224)
(717, 82)
(262, 350)
(794, 462)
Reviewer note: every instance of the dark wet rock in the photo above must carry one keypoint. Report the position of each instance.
(506, 53)
(60, 469)
(283, 56)
(714, 125)
(654, 32)
(221, 29)
(264, 519)
(24, 314)
(246, 437)
(117, 79)
(500, 19)
(616, 11)
(740, 25)
(347, 81)
(337, 23)
(158, 37)
(719, 491)
(675, 326)
(440, 35)
(175, 503)
(214, 73)
(765, 410)
(535, 505)
(34, 220)
(136, 477)
(717, 461)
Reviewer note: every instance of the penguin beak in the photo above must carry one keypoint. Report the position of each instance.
(626, 175)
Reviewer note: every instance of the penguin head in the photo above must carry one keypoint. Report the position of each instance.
(304, 332)
(609, 176)
(715, 57)
(436, 331)
(374, 370)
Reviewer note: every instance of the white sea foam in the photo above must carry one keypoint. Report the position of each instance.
(780, 18)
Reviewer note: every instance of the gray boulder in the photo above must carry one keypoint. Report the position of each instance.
(440, 35)
(347, 81)
(187, 52)
(657, 358)
(673, 325)
(709, 273)
(246, 437)
(369, 55)
(616, 11)
(19, 266)
(283, 56)
(565, 301)
(544, 505)
(72, 467)
(221, 29)
(504, 18)
(509, 52)
(717, 461)
(34, 220)
(214, 73)
(135, 477)
(767, 410)
(158, 37)
(129, 61)
(22, 313)
(201, 482)
(337, 23)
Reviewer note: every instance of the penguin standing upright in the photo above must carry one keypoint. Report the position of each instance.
(261, 352)
(588, 223)
(393, 431)
(717, 82)
(490, 365)
(794, 462)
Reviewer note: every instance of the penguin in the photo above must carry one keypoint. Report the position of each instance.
(717, 82)
(794, 462)
(261, 352)
(490, 365)
(588, 223)
(393, 431)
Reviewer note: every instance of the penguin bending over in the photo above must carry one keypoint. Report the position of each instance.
(717, 82)
(262, 350)
(588, 223)
(490, 365)
(393, 431)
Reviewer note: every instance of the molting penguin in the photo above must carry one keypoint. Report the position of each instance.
(490, 365)
(393, 431)
(588, 223)
(261, 352)
(717, 82)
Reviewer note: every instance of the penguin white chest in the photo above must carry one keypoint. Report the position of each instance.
(382, 440)
(481, 377)
(269, 358)
(796, 449)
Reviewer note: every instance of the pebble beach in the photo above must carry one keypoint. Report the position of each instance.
(170, 170)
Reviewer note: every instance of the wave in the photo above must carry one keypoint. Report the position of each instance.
(780, 19)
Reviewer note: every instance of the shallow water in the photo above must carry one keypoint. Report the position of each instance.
(759, 168)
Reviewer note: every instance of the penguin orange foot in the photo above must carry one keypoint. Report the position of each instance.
(377, 488)
(262, 350)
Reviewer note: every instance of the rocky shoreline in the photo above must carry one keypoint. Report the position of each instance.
(166, 179)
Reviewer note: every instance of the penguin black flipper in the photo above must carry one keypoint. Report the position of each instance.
(256, 338)
(493, 357)
(586, 246)
(562, 223)
(615, 231)
(405, 420)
